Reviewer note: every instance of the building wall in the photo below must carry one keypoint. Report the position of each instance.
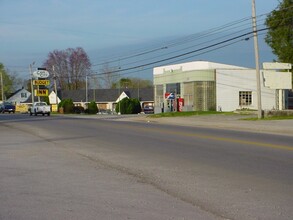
(172, 76)
(230, 82)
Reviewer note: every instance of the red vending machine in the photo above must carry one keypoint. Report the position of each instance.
(180, 104)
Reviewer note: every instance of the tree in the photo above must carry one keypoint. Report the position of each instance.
(141, 83)
(71, 67)
(8, 85)
(133, 83)
(125, 83)
(280, 33)
(108, 76)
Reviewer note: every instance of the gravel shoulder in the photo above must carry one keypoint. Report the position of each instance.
(231, 122)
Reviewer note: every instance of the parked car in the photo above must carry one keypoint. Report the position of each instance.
(148, 109)
(7, 107)
(40, 108)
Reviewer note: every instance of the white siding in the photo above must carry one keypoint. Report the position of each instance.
(17, 98)
(230, 82)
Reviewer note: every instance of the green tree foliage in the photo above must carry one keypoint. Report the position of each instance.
(46, 99)
(128, 106)
(280, 33)
(7, 82)
(67, 105)
(134, 107)
(132, 83)
(92, 108)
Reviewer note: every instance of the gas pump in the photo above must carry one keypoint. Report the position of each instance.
(170, 101)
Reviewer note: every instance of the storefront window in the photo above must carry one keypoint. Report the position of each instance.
(173, 88)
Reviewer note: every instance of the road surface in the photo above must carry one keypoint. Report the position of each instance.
(82, 168)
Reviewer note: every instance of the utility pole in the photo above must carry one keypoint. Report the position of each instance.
(2, 86)
(119, 97)
(55, 88)
(259, 107)
(86, 95)
(32, 87)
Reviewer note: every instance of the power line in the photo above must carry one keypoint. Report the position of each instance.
(184, 54)
(186, 39)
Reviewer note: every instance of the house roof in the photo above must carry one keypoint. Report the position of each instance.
(107, 95)
(15, 97)
(14, 93)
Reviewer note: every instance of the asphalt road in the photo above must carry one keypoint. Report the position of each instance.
(101, 168)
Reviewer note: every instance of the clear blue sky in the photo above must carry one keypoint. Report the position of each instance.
(30, 29)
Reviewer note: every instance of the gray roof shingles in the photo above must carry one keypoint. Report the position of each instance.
(106, 95)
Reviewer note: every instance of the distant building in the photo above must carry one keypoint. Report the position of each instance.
(203, 86)
(19, 96)
(107, 99)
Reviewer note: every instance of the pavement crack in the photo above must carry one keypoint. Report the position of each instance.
(148, 180)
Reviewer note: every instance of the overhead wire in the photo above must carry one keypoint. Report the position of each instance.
(189, 38)
(155, 62)
(138, 68)
(235, 25)
(184, 54)
(184, 40)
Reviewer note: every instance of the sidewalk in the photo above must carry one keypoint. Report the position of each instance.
(231, 122)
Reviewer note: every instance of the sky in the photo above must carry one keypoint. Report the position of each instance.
(121, 30)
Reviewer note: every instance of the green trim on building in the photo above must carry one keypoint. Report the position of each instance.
(179, 76)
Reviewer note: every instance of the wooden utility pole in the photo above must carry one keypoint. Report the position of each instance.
(258, 87)
(55, 87)
(2, 86)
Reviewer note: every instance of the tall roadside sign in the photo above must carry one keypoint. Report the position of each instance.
(41, 82)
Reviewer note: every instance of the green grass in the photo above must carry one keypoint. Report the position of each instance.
(186, 114)
(270, 118)
(199, 113)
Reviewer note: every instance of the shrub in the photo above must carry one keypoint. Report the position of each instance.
(136, 106)
(92, 108)
(67, 105)
(128, 106)
(78, 109)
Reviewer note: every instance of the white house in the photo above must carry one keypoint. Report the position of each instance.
(19, 96)
(53, 98)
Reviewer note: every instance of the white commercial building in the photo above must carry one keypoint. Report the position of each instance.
(203, 86)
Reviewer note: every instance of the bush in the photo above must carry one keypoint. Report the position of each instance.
(92, 108)
(78, 109)
(128, 106)
(136, 106)
(67, 105)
